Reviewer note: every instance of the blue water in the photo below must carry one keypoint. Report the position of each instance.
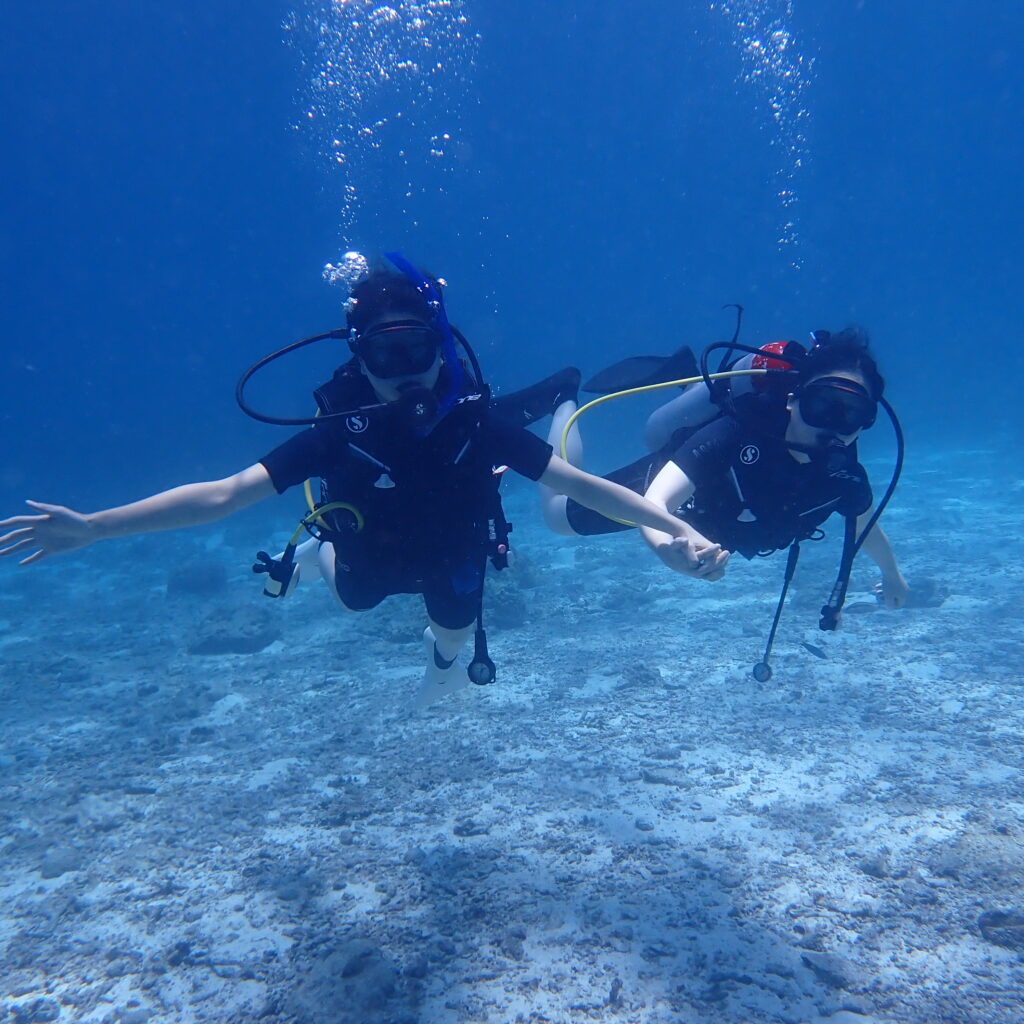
(616, 187)
(611, 180)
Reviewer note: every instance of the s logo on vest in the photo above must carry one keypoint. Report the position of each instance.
(749, 454)
(357, 423)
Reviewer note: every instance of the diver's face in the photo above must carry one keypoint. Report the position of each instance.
(390, 389)
(799, 431)
(397, 354)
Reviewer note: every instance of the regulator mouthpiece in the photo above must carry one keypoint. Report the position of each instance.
(418, 404)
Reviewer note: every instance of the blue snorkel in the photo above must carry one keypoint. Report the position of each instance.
(450, 357)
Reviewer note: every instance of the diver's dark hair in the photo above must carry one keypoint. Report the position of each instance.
(847, 350)
(384, 292)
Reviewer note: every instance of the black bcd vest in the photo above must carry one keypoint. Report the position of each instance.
(434, 491)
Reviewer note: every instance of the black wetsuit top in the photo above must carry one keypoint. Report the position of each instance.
(424, 501)
(751, 495)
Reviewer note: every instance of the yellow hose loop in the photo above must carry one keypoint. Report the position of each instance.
(316, 516)
(643, 390)
(650, 387)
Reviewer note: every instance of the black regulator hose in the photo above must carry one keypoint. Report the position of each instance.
(762, 671)
(897, 470)
(338, 334)
(296, 421)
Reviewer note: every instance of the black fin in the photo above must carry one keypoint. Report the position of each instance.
(638, 371)
(539, 400)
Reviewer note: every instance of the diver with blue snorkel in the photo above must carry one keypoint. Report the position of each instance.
(408, 448)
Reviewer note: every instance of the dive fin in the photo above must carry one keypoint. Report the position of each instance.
(530, 404)
(639, 371)
(439, 680)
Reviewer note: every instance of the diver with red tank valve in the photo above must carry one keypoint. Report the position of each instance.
(753, 458)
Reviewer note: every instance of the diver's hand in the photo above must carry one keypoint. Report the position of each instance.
(699, 559)
(57, 529)
(892, 591)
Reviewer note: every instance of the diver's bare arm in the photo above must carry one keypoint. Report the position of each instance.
(689, 552)
(610, 499)
(878, 547)
(187, 505)
(669, 489)
(57, 528)
(893, 589)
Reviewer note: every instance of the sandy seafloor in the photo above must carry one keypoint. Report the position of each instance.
(625, 828)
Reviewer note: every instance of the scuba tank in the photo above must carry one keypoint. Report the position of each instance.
(698, 405)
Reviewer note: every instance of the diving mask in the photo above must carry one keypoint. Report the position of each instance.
(837, 404)
(401, 348)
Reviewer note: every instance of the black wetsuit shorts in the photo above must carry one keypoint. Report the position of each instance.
(451, 595)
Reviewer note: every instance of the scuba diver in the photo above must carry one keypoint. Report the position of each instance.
(753, 465)
(408, 449)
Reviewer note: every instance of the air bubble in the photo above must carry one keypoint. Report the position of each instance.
(384, 14)
(771, 64)
(352, 266)
(363, 62)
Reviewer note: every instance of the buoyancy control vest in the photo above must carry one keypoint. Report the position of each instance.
(433, 494)
(759, 499)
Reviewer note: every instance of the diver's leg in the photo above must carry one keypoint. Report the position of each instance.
(553, 504)
(444, 638)
(442, 674)
(447, 643)
(307, 558)
(693, 408)
(327, 565)
(580, 521)
(573, 441)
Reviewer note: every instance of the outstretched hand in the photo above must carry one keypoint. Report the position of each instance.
(892, 591)
(56, 529)
(703, 561)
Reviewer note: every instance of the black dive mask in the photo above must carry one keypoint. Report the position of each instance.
(402, 348)
(837, 404)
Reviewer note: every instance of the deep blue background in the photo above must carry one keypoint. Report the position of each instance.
(615, 187)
